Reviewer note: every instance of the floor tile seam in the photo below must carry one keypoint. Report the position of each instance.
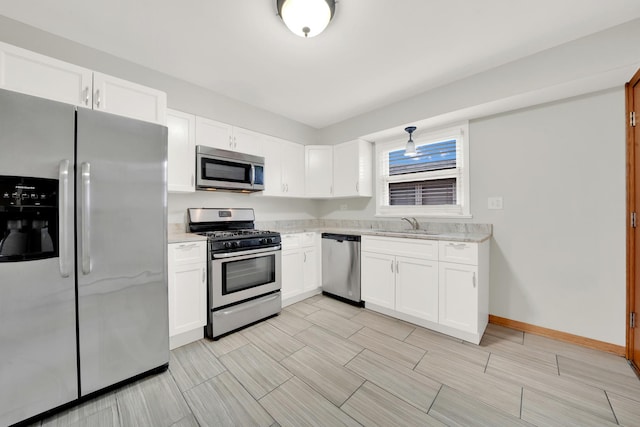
(586, 409)
(201, 382)
(264, 353)
(322, 394)
(611, 406)
(484, 403)
(544, 389)
(529, 361)
(435, 398)
(599, 385)
(292, 336)
(389, 336)
(486, 364)
(391, 392)
(190, 409)
(358, 354)
(351, 395)
(521, 399)
(245, 388)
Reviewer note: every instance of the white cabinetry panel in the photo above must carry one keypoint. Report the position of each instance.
(181, 152)
(187, 291)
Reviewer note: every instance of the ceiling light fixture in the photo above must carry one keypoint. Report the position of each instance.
(306, 18)
(410, 149)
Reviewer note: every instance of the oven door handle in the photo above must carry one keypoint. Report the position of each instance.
(250, 252)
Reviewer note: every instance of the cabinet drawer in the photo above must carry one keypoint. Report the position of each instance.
(291, 241)
(413, 248)
(459, 252)
(187, 252)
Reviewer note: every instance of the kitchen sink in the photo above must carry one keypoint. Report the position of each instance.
(424, 232)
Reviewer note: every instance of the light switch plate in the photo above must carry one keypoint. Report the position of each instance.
(494, 203)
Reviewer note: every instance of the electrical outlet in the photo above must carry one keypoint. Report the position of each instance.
(343, 207)
(494, 203)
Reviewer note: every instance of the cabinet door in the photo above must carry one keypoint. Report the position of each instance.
(38, 75)
(345, 169)
(378, 279)
(318, 170)
(273, 185)
(417, 288)
(310, 268)
(458, 284)
(187, 287)
(213, 134)
(122, 97)
(181, 151)
(249, 142)
(293, 168)
(292, 273)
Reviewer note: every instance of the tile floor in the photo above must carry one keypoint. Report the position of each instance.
(325, 363)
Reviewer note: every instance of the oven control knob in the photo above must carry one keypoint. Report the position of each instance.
(227, 245)
(234, 244)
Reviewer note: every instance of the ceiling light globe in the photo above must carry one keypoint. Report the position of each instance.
(410, 149)
(305, 18)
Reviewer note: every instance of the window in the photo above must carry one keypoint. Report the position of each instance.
(433, 182)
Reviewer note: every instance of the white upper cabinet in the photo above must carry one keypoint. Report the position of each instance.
(221, 135)
(181, 151)
(318, 171)
(352, 169)
(293, 178)
(39, 75)
(213, 134)
(284, 168)
(122, 97)
(247, 141)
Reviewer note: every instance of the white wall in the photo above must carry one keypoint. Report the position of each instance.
(181, 95)
(558, 247)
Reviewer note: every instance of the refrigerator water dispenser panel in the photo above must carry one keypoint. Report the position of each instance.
(28, 218)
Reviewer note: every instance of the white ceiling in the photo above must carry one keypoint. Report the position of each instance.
(374, 52)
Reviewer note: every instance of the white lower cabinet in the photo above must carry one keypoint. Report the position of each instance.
(378, 279)
(300, 266)
(417, 288)
(187, 292)
(458, 296)
(425, 288)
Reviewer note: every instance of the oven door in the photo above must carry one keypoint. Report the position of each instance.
(238, 276)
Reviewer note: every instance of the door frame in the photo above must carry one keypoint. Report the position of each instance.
(631, 208)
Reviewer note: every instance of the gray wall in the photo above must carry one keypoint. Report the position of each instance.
(558, 249)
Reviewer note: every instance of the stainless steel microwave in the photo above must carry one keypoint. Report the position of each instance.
(218, 169)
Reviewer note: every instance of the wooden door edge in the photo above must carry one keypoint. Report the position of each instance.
(631, 207)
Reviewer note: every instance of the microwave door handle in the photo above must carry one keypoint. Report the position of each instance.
(253, 174)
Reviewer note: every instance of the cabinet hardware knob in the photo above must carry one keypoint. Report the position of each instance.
(86, 95)
(98, 100)
(392, 266)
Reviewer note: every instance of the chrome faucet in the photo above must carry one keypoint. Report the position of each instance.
(413, 222)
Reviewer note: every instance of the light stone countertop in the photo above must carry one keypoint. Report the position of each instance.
(408, 234)
(473, 233)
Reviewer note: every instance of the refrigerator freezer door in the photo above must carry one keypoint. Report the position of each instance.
(122, 248)
(38, 367)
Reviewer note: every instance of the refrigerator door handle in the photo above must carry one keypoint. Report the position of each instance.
(86, 225)
(63, 220)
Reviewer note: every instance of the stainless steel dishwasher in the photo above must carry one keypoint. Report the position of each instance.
(341, 266)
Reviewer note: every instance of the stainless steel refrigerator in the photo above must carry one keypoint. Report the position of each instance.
(83, 251)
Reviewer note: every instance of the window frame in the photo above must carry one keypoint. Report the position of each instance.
(460, 132)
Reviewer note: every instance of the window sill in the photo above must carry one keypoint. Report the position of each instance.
(416, 215)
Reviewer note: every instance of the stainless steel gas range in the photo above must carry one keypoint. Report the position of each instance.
(244, 268)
